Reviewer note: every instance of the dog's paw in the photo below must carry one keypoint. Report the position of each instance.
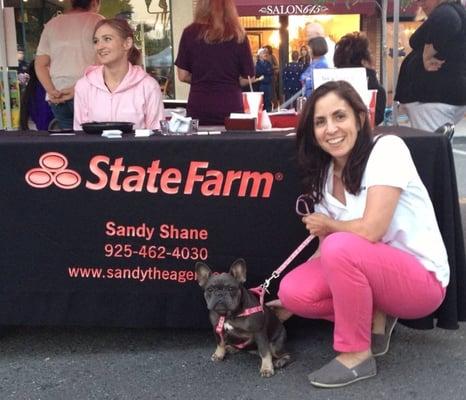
(282, 361)
(267, 372)
(217, 357)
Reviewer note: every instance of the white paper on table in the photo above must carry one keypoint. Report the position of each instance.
(241, 116)
(355, 76)
(179, 123)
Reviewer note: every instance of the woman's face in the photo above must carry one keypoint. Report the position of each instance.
(110, 47)
(264, 56)
(335, 127)
(303, 51)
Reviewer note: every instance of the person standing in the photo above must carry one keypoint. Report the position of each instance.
(291, 76)
(319, 49)
(432, 80)
(352, 50)
(65, 50)
(215, 58)
(264, 69)
(313, 30)
(118, 89)
(304, 56)
(34, 108)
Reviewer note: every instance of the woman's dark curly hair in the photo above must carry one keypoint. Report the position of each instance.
(351, 50)
(313, 161)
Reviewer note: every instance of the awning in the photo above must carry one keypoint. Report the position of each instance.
(304, 7)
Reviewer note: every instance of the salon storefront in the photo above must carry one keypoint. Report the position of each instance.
(281, 24)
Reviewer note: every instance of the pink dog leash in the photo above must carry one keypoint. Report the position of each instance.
(260, 290)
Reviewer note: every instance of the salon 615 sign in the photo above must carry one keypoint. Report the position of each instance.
(293, 9)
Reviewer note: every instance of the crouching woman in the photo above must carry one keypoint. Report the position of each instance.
(118, 89)
(381, 254)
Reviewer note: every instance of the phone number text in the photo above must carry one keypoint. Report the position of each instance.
(155, 252)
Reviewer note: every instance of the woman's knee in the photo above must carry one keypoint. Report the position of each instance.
(302, 291)
(339, 244)
(287, 291)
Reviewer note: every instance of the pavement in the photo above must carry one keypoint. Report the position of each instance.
(460, 128)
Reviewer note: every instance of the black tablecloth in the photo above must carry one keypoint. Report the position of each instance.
(68, 255)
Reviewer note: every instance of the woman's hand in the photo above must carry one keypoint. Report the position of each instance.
(54, 96)
(67, 94)
(318, 224)
(431, 63)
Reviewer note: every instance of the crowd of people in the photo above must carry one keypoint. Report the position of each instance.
(215, 59)
(381, 256)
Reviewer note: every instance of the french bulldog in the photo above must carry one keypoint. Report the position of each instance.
(238, 319)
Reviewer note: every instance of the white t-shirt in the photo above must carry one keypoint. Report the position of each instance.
(414, 227)
(67, 40)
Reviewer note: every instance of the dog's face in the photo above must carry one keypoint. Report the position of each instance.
(222, 292)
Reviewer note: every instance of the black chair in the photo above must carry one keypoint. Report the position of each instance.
(447, 130)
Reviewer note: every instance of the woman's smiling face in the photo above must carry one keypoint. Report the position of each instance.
(335, 127)
(110, 46)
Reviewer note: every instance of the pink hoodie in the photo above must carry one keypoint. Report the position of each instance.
(137, 99)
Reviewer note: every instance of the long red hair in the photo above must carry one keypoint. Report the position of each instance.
(219, 20)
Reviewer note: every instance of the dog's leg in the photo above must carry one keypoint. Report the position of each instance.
(280, 357)
(263, 347)
(220, 351)
(281, 360)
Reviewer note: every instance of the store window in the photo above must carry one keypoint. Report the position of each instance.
(335, 26)
(150, 19)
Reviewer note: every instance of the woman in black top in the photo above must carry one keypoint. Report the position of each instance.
(432, 80)
(352, 50)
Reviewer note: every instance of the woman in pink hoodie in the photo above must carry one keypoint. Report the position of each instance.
(118, 89)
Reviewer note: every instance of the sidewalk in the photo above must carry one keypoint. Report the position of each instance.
(460, 129)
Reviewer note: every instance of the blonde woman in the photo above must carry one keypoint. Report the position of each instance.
(214, 56)
(118, 89)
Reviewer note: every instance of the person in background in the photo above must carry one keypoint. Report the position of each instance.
(22, 64)
(313, 30)
(432, 80)
(381, 254)
(215, 58)
(304, 56)
(33, 105)
(291, 76)
(118, 89)
(64, 51)
(23, 76)
(352, 50)
(264, 69)
(275, 77)
(319, 49)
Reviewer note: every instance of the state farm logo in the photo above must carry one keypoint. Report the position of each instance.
(53, 171)
(115, 175)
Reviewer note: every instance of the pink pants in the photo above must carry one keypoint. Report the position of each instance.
(351, 279)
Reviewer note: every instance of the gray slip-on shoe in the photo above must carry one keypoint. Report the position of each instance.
(381, 343)
(335, 374)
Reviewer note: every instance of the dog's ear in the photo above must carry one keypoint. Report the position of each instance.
(238, 270)
(203, 273)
